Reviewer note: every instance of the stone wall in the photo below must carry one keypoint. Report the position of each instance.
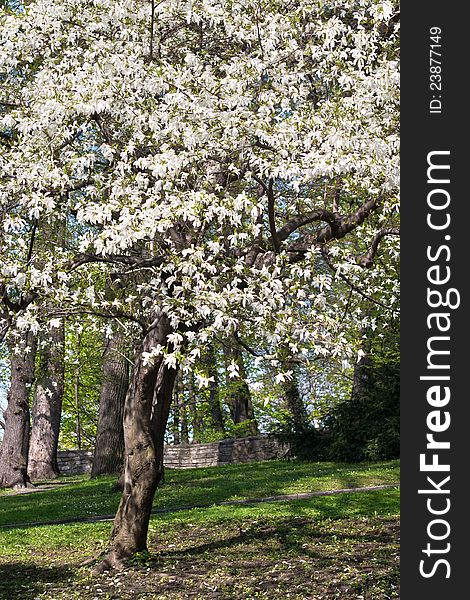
(74, 462)
(224, 452)
(185, 456)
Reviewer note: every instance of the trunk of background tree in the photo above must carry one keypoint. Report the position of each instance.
(109, 447)
(184, 426)
(238, 395)
(14, 448)
(175, 428)
(196, 418)
(361, 377)
(183, 412)
(47, 408)
(293, 402)
(214, 401)
(76, 397)
(142, 463)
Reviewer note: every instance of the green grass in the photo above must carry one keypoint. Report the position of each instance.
(190, 487)
(342, 546)
(22, 541)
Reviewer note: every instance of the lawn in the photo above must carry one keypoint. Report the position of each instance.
(341, 546)
(193, 487)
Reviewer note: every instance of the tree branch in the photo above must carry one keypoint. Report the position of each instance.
(333, 220)
(152, 27)
(349, 222)
(352, 285)
(124, 259)
(272, 218)
(245, 345)
(31, 242)
(366, 260)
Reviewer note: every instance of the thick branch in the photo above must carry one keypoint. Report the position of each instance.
(272, 219)
(366, 260)
(349, 222)
(31, 242)
(333, 220)
(245, 345)
(133, 261)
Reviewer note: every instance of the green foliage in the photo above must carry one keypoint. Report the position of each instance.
(304, 443)
(239, 430)
(367, 426)
(84, 346)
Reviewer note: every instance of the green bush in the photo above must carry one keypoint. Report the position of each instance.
(364, 427)
(367, 427)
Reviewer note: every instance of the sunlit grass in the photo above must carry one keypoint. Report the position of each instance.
(343, 543)
(192, 487)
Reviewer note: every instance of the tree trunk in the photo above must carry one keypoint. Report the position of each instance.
(14, 448)
(214, 402)
(196, 419)
(47, 408)
(175, 429)
(238, 393)
(142, 460)
(183, 412)
(360, 385)
(293, 402)
(109, 447)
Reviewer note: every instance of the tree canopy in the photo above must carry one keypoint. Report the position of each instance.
(200, 155)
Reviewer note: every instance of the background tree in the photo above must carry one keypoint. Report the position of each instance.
(47, 406)
(15, 443)
(109, 445)
(84, 348)
(367, 425)
(237, 392)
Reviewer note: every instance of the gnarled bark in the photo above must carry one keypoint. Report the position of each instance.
(14, 448)
(109, 447)
(47, 408)
(143, 452)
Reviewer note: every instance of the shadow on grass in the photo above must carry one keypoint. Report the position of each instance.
(25, 580)
(89, 498)
(282, 557)
(268, 478)
(290, 534)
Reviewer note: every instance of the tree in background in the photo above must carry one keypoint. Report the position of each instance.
(109, 445)
(84, 347)
(15, 443)
(217, 422)
(47, 405)
(237, 393)
(367, 425)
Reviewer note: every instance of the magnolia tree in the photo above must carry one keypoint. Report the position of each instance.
(206, 160)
